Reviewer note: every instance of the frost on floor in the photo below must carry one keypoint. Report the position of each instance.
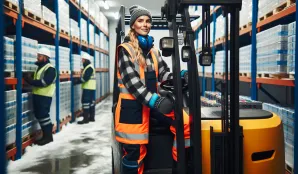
(79, 149)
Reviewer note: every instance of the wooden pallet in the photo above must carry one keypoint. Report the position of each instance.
(75, 38)
(32, 16)
(75, 2)
(289, 169)
(245, 26)
(63, 31)
(292, 76)
(274, 76)
(220, 73)
(76, 72)
(245, 74)
(11, 6)
(278, 9)
(10, 146)
(10, 74)
(47, 23)
(65, 72)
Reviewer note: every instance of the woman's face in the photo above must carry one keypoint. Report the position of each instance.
(142, 25)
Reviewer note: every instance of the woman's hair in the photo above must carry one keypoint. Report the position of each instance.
(135, 44)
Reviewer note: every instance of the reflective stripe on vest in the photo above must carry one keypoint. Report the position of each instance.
(47, 91)
(186, 143)
(132, 136)
(91, 83)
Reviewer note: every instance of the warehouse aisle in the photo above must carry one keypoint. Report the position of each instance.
(78, 149)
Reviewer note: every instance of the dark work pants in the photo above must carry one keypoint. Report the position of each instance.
(41, 106)
(132, 160)
(88, 100)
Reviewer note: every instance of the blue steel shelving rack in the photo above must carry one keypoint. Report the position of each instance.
(19, 27)
(19, 82)
(2, 106)
(254, 81)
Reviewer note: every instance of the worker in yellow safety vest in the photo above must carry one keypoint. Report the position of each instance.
(89, 86)
(43, 90)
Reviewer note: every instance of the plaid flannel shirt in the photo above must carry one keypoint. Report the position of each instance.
(131, 78)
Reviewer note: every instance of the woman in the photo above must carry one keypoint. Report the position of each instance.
(140, 67)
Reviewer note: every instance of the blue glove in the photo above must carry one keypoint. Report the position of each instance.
(162, 104)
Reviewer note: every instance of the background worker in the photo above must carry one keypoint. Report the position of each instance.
(43, 90)
(89, 86)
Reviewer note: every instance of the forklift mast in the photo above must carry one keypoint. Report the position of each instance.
(120, 34)
(226, 146)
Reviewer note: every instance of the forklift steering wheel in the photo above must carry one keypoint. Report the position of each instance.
(168, 85)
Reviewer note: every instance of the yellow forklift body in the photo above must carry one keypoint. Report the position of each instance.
(260, 135)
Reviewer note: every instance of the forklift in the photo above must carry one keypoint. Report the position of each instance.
(224, 140)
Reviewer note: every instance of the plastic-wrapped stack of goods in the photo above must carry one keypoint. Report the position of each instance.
(291, 48)
(9, 55)
(244, 101)
(65, 99)
(52, 48)
(266, 6)
(53, 109)
(28, 119)
(76, 62)
(92, 60)
(85, 5)
(245, 13)
(29, 53)
(103, 22)
(33, 6)
(245, 59)
(77, 97)
(64, 59)
(104, 61)
(92, 8)
(205, 102)
(48, 15)
(75, 30)
(97, 12)
(97, 41)
(97, 55)
(15, 2)
(91, 34)
(10, 107)
(64, 15)
(99, 85)
(220, 62)
(287, 115)
(272, 50)
(102, 40)
(83, 30)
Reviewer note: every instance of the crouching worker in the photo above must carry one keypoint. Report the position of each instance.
(43, 90)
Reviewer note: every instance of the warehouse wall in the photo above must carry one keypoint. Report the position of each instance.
(112, 33)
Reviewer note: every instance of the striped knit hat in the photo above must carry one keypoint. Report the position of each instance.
(137, 11)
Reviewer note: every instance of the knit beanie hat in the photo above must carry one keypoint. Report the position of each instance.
(137, 11)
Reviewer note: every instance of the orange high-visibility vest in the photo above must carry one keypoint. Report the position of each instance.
(131, 117)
